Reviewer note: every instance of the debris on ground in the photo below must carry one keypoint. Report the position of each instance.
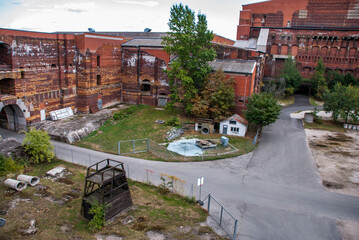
(57, 172)
(9, 146)
(108, 237)
(337, 158)
(31, 230)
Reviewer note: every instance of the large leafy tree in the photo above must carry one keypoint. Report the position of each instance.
(262, 109)
(343, 102)
(292, 76)
(217, 99)
(189, 41)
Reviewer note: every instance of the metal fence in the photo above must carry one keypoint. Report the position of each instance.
(148, 175)
(160, 151)
(221, 216)
(133, 146)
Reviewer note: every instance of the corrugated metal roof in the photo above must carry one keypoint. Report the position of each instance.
(234, 66)
(150, 42)
(238, 118)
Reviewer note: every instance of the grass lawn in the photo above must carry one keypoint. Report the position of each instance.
(315, 102)
(141, 124)
(326, 125)
(153, 211)
(286, 101)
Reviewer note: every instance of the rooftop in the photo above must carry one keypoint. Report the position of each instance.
(234, 66)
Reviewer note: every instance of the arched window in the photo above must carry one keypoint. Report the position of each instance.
(146, 86)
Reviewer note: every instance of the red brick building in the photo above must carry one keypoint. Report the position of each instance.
(43, 72)
(307, 30)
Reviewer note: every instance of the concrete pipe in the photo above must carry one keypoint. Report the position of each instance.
(33, 181)
(15, 184)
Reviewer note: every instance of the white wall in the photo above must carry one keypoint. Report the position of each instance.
(242, 128)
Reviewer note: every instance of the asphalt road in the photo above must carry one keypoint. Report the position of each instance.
(275, 193)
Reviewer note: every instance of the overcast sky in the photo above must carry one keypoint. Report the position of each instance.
(114, 15)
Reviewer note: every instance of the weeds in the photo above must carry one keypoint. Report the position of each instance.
(98, 220)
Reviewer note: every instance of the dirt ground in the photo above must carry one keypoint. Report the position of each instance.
(337, 158)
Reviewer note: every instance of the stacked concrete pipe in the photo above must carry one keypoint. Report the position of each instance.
(15, 184)
(33, 181)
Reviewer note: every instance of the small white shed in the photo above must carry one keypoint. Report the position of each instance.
(235, 125)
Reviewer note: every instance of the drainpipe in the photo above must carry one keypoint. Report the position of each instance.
(138, 71)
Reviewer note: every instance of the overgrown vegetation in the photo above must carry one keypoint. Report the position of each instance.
(173, 122)
(38, 147)
(8, 165)
(292, 76)
(127, 112)
(343, 102)
(62, 219)
(98, 211)
(216, 101)
(190, 40)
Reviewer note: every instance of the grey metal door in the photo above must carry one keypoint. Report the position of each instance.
(225, 128)
(162, 102)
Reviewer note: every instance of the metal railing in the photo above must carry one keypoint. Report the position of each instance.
(222, 216)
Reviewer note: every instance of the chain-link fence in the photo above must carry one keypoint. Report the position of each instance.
(160, 150)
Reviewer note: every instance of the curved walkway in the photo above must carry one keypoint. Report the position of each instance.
(275, 193)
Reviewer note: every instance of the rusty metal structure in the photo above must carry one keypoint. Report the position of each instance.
(106, 184)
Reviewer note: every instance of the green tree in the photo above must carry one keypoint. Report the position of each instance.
(262, 109)
(292, 76)
(343, 102)
(38, 146)
(319, 82)
(217, 99)
(190, 41)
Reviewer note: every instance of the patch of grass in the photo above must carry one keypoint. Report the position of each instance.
(328, 125)
(286, 101)
(152, 211)
(315, 102)
(138, 123)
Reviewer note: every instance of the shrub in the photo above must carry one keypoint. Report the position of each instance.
(98, 220)
(8, 165)
(38, 146)
(173, 122)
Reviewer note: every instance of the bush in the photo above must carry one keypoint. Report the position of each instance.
(98, 220)
(173, 122)
(38, 146)
(8, 165)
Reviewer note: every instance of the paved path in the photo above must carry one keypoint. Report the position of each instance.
(275, 193)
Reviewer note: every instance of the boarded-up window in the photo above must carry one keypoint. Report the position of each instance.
(315, 49)
(352, 52)
(333, 51)
(343, 52)
(294, 51)
(284, 50)
(274, 49)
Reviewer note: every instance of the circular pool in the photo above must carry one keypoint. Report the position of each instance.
(185, 147)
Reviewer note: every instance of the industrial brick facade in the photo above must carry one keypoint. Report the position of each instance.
(307, 30)
(43, 72)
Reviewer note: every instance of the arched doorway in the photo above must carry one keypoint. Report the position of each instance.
(5, 57)
(12, 117)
